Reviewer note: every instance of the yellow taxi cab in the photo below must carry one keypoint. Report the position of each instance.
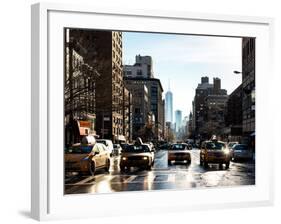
(138, 155)
(214, 151)
(179, 152)
(86, 158)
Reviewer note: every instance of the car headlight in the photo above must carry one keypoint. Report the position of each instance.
(144, 158)
(226, 151)
(124, 158)
(85, 159)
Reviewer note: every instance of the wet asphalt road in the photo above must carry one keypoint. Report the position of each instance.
(177, 176)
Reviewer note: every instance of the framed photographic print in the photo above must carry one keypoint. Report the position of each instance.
(148, 111)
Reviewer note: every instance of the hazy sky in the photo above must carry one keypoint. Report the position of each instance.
(184, 59)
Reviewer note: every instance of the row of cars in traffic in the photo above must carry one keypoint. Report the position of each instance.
(91, 154)
(211, 151)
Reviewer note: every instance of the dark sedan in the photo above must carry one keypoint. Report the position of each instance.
(242, 152)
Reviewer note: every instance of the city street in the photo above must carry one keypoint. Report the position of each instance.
(162, 176)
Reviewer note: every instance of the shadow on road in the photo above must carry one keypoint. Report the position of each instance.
(214, 167)
(24, 213)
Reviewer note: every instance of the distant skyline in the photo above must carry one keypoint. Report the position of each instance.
(178, 120)
(169, 106)
(184, 59)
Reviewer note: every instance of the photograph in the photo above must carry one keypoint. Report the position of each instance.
(151, 111)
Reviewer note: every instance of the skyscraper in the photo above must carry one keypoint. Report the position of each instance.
(178, 117)
(248, 89)
(203, 90)
(169, 106)
(141, 73)
(143, 68)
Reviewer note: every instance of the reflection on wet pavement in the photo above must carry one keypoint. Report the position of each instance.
(162, 176)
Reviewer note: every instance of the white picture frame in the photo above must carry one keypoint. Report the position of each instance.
(48, 201)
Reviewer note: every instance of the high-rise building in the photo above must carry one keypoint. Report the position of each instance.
(190, 126)
(140, 109)
(80, 78)
(200, 105)
(178, 120)
(155, 102)
(215, 115)
(248, 89)
(127, 114)
(143, 68)
(205, 79)
(141, 73)
(217, 86)
(169, 106)
(162, 120)
(104, 50)
(233, 120)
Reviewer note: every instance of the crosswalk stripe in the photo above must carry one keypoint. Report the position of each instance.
(85, 180)
(171, 178)
(88, 180)
(150, 178)
(130, 179)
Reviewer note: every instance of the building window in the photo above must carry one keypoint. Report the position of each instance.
(139, 72)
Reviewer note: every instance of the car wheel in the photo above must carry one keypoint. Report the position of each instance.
(169, 162)
(107, 166)
(205, 164)
(227, 165)
(122, 168)
(92, 169)
(220, 166)
(82, 174)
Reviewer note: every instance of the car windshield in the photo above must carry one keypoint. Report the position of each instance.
(215, 145)
(231, 144)
(241, 147)
(79, 149)
(166, 145)
(178, 147)
(136, 148)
